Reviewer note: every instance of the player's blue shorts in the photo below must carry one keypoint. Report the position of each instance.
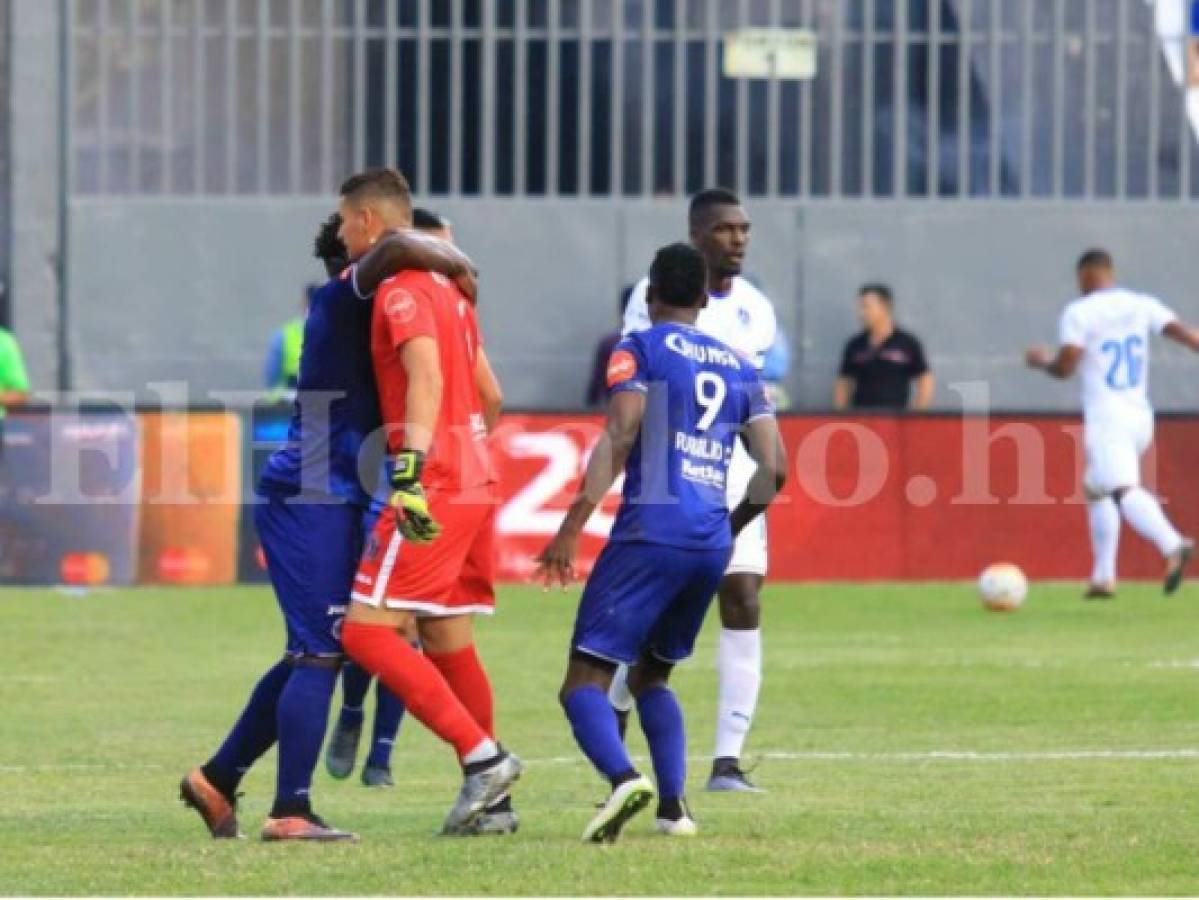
(312, 552)
(647, 597)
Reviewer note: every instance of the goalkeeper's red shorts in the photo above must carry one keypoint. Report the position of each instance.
(451, 576)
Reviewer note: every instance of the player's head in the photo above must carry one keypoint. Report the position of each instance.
(328, 246)
(678, 281)
(876, 305)
(431, 223)
(373, 202)
(719, 228)
(1096, 270)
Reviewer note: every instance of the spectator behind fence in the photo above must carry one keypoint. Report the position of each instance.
(282, 372)
(597, 387)
(879, 364)
(14, 381)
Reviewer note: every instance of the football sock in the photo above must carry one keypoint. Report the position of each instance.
(463, 671)
(355, 682)
(388, 713)
(252, 734)
(594, 724)
(1145, 515)
(303, 712)
(1104, 518)
(739, 665)
(662, 722)
(619, 694)
(409, 675)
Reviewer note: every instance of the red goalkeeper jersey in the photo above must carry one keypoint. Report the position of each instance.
(424, 304)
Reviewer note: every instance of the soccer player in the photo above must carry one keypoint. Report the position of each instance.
(1105, 334)
(341, 754)
(310, 525)
(679, 400)
(429, 557)
(741, 316)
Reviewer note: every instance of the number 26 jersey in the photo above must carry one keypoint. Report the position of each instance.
(1113, 327)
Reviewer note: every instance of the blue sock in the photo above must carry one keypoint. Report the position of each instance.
(389, 710)
(252, 734)
(355, 682)
(662, 722)
(303, 713)
(594, 724)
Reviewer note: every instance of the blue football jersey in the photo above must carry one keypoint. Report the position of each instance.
(337, 405)
(699, 393)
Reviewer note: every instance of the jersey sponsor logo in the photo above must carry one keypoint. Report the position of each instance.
(400, 306)
(743, 315)
(701, 353)
(621, 367)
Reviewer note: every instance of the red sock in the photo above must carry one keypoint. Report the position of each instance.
(464, 673)
(411, 677)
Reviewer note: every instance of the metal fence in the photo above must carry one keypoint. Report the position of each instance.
(912, 98)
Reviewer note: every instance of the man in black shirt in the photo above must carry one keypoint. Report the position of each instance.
(879, 364)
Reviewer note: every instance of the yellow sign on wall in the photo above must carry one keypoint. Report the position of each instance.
(788, 53)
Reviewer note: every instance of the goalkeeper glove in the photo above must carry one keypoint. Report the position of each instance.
(409, 500)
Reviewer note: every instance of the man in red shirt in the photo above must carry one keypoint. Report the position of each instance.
(430, 556)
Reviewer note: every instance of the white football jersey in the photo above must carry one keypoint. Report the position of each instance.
(743, 318)
(1113, 328)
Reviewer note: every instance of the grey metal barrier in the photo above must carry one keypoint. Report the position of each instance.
(1078, 99)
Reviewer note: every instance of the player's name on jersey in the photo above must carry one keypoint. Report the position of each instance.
(700, 447)
(702, 353)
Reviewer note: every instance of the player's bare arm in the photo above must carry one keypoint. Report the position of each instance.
(625, 412)
(842, 391)
(1060, 365)
(402, 250)
(765, 445)
(926, 386)
(490, 393)
(1184, 334)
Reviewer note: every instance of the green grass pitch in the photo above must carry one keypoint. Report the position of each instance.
(910, 742)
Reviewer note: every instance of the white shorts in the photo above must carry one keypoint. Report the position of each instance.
(1114, 449)
(750, 551)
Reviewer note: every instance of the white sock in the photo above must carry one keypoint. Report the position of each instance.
(1145, 515)
(739, 666)
(1104, 518)
(618, 694)
(485, 751)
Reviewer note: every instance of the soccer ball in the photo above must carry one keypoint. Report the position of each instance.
(1002, 587)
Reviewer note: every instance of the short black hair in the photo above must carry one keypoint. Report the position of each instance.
(678, 275)
(880, 290)
(1096, 257)
(383, 183)
(426, 220)
(328, 247)
(706, 199)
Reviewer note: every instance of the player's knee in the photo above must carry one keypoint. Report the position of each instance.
(648, 675)
(586, 671)
(740, 608)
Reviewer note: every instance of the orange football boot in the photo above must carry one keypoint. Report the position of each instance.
(218, 811)
(304, 828)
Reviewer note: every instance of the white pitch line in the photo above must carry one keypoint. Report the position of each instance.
(927, 756)
(982, 756)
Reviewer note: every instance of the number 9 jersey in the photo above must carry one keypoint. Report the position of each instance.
(698, 394)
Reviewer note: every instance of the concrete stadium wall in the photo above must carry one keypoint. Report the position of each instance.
(190, 290)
